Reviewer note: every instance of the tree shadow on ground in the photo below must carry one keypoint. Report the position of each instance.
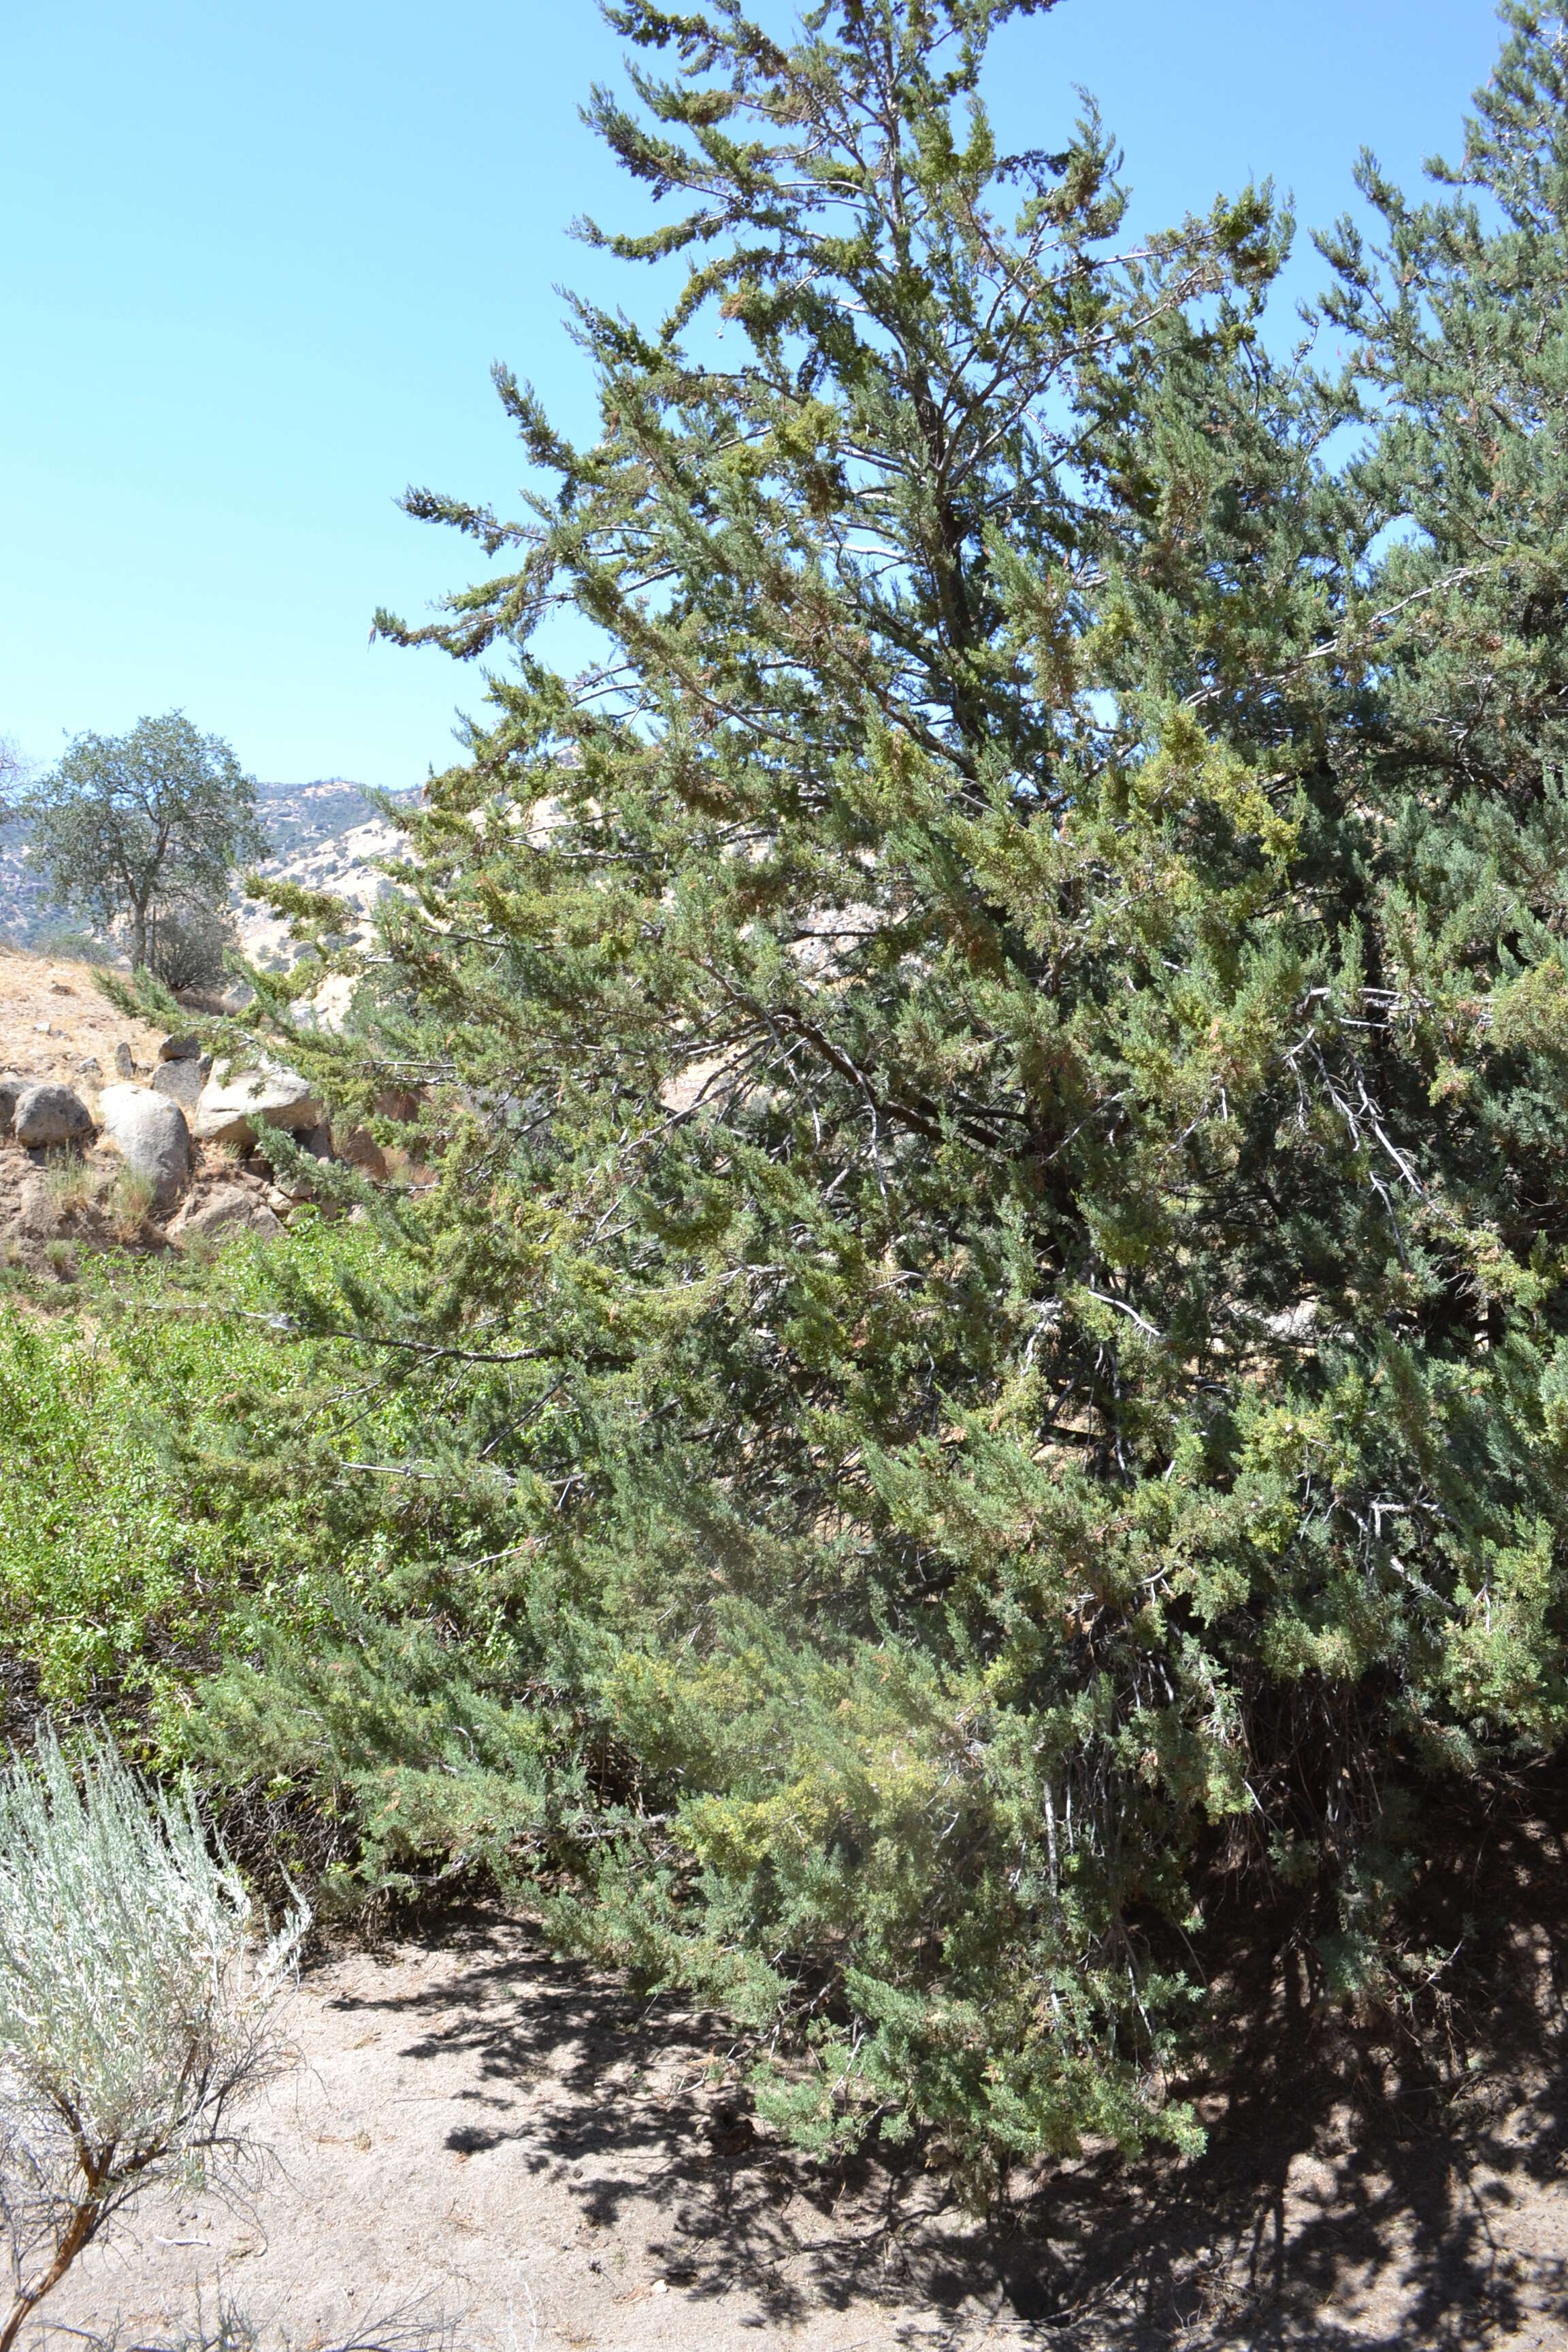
(1363, 2183)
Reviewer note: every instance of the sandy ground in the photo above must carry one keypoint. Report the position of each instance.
(494, 2147)
(523, 2155)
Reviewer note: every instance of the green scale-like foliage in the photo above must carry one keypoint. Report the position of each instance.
(999, 1061)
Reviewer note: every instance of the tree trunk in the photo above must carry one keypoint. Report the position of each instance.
(74, 2238)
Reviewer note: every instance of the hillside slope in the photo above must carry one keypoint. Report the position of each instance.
(325, 835)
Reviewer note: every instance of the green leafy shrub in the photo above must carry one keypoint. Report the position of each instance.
(137, 1538)
(999, 1073)
(987, 1356)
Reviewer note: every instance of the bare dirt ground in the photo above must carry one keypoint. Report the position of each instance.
(506, 2144)
(52, 1018)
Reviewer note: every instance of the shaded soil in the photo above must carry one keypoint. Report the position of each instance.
(530, 2153)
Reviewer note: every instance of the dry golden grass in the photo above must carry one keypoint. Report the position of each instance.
(131, 1199)
(71, 1185)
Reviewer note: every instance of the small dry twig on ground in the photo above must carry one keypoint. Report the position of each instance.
(410, 2327)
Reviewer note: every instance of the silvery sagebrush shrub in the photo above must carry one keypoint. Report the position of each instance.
(137, 2005)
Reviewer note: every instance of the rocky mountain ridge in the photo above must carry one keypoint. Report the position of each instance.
(327, 834)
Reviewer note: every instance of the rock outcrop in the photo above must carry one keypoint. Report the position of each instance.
(48, 1114)
(234, 1109)
(231, 1208)
(182, 1081)
(150, 1136)
(360, 1149)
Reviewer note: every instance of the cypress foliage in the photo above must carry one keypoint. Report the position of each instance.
(996, 1270)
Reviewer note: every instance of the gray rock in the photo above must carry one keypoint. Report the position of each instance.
(89, 1066)
(150, 1136)
(180, 1049)
(46, 1113)
(124, 1060)
(230, 1207)
(232, 1109)
(181, 1082)
(12, 1084)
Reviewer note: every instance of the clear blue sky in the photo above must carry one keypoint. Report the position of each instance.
(256, 257)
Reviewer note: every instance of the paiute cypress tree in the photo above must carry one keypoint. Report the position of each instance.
(1007, 1381)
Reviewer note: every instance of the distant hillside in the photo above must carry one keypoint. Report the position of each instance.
(26, 919)
(323, 834)
(301, 816)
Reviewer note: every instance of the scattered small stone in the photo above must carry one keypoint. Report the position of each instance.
(180, 1049)
(89, 1066)
(58, 988)
(12, 1084)
(124, 1061)
(296, 1184)
(46, 1114)
(43, 1029)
